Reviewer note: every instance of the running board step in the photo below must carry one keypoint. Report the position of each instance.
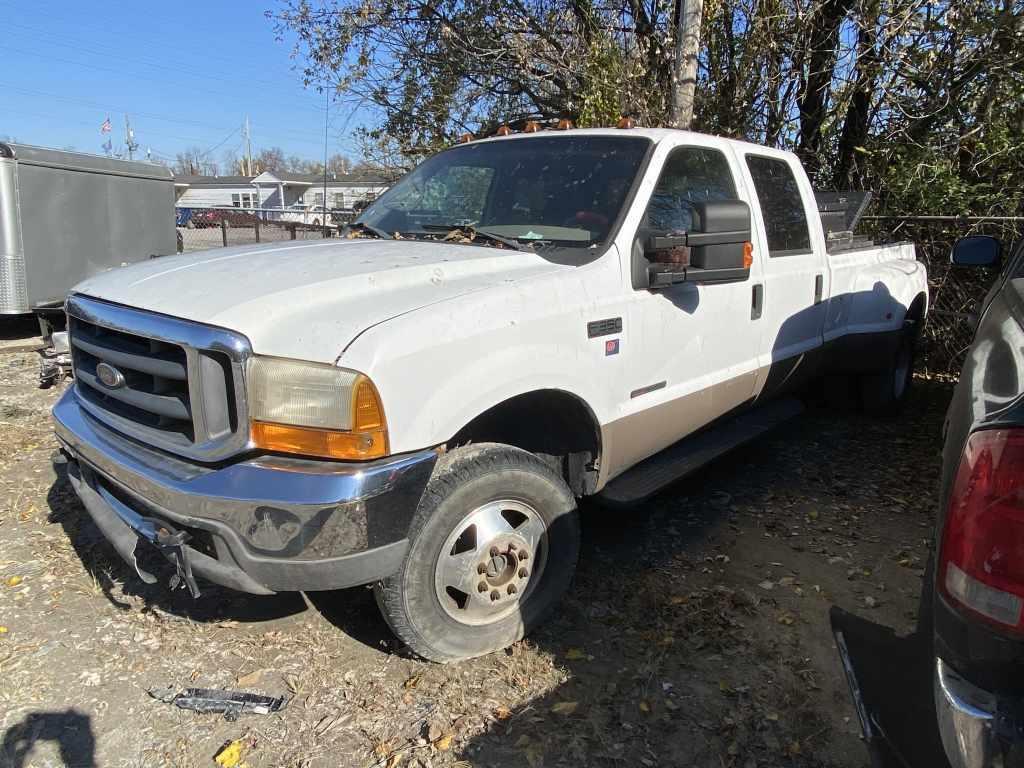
(691, 453)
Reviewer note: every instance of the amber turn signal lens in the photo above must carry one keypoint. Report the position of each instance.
(503, 131)
(465, 138)
(532, 126)
(564, 124)
(748, 255)
(327, 443)
(367, 412)
(625, 122)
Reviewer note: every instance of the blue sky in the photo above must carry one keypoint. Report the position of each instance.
(187, 73)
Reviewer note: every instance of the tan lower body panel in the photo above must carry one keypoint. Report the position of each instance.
(633, 438)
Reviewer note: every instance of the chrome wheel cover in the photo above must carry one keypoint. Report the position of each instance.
(490, 562)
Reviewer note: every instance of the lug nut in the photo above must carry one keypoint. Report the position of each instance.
(512, 589)
(523, 555)
(495, 551)
(481, 569)
(495, 595)
(482, 586)
(523, 573)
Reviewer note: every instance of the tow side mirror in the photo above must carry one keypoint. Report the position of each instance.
(976, 251)
(715, 249)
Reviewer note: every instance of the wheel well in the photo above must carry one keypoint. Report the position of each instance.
(556, 426)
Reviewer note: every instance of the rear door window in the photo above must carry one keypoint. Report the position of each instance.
(782, 206)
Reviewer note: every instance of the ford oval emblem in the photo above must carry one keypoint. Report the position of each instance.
(109, 376)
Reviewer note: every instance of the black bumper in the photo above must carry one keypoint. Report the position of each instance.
(263, 525)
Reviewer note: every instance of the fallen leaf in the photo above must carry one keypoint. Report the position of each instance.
(3, 630)
(503, 713)
(575, 654)
(445, 742)
(564, 708)
(644, 706)
(394, 760)
(14, 581)
(412, 682)
(230, 755)
(766, 584)
(247, 681)
(794, 749)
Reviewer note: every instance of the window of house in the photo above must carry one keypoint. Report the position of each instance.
(245, 200)
(339, 199)
(690, 175)
(782, 206)
(318, 199)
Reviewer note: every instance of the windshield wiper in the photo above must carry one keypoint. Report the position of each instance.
(362, 226)
(473, 233)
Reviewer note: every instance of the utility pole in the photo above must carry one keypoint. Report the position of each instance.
(248, 149)
(684, 62)
(327, 114)
(129, 138)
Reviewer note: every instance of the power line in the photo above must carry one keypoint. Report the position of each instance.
(305, 136)
(162, 81)
(112, 53)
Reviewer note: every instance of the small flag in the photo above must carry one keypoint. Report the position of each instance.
(106, 127)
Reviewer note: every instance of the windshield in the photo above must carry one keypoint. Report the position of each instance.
(550, 191)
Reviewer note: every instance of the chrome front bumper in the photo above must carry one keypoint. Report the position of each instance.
(267, 524)
(969, 722)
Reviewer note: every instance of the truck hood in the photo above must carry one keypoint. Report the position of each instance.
(310, 300)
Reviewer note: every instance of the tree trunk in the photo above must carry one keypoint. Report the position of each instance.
(684, 62)
(817, 71)
(858, 111)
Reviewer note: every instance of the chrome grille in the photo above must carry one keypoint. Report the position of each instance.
(177, 385)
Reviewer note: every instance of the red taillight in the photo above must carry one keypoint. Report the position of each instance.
(981, 566)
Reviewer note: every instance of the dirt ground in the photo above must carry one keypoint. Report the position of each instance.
(696, 632)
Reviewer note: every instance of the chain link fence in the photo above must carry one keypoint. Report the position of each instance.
(955, 293)
(203, 228)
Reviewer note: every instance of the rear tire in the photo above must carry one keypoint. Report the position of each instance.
(885, 392)
(491, 515)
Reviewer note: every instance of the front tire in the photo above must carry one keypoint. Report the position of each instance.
(492, 548)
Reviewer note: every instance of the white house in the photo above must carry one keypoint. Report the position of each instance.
(279, 189)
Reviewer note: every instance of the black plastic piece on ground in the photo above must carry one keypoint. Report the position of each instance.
(229, 703)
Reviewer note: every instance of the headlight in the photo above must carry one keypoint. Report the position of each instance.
(315, 409)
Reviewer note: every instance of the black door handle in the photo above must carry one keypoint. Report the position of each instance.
(757, 302)
(819, 287)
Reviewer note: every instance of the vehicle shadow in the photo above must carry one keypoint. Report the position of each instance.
(119, 583)
(69, 731)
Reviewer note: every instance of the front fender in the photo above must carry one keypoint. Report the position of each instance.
(439, 368)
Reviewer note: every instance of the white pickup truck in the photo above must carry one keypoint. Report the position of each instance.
(520, 322)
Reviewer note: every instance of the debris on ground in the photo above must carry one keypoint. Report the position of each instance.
(231, 704)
